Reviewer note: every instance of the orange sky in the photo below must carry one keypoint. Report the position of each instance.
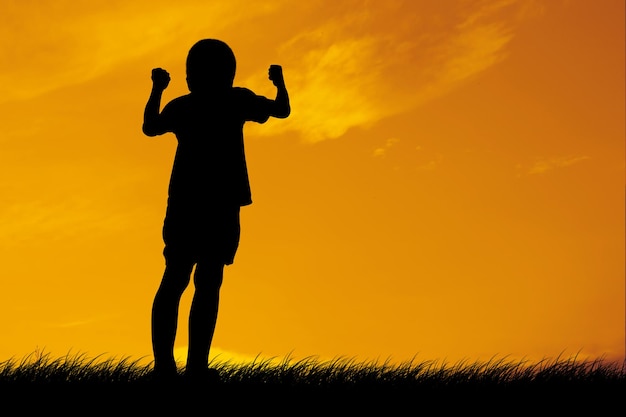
(449, 186)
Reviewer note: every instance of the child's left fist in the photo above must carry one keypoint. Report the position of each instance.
(276, 75)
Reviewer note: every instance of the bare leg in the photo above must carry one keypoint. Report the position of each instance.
(203, 315)
(165, 315)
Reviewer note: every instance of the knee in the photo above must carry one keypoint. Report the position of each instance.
(176, 279)
(208, 277)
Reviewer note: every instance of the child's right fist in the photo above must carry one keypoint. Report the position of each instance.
(276, 75)
(160, 78)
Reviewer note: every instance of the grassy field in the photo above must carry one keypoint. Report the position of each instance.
(79, 385)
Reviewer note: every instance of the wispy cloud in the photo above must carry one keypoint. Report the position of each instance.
(350, 66)
(389, 143)
(344, 76)
(81, 322)
(221, 355)
(543, 165)
(49, 218)
(50, 45)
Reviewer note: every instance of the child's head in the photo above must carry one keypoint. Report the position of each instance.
(210, 66)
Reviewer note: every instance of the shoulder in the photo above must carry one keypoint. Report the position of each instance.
(246, 96)
(242, 90)
(179, 102)
(253, 107)
(243, 93)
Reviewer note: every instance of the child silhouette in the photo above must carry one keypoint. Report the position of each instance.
(208, 185)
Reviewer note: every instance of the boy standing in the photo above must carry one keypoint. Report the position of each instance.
(208, 185)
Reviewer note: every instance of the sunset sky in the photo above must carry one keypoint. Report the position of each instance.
(449, 185)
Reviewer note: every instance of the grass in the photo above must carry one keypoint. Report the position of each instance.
(309, 386)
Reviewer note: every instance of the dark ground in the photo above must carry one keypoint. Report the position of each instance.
(228, 399)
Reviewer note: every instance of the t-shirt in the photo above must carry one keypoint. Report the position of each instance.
(210, 164)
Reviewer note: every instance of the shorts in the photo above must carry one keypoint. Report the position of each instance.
(210, 234)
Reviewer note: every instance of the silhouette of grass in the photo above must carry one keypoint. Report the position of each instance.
(309, 386)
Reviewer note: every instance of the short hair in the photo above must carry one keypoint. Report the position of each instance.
(210, 64)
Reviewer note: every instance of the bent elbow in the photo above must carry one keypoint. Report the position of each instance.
(283, 113)
(149, 130)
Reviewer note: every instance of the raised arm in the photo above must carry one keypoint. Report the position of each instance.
(282, 108)
(151, 120)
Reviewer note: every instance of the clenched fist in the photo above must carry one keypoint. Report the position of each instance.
(276, 75)
(160, 78)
